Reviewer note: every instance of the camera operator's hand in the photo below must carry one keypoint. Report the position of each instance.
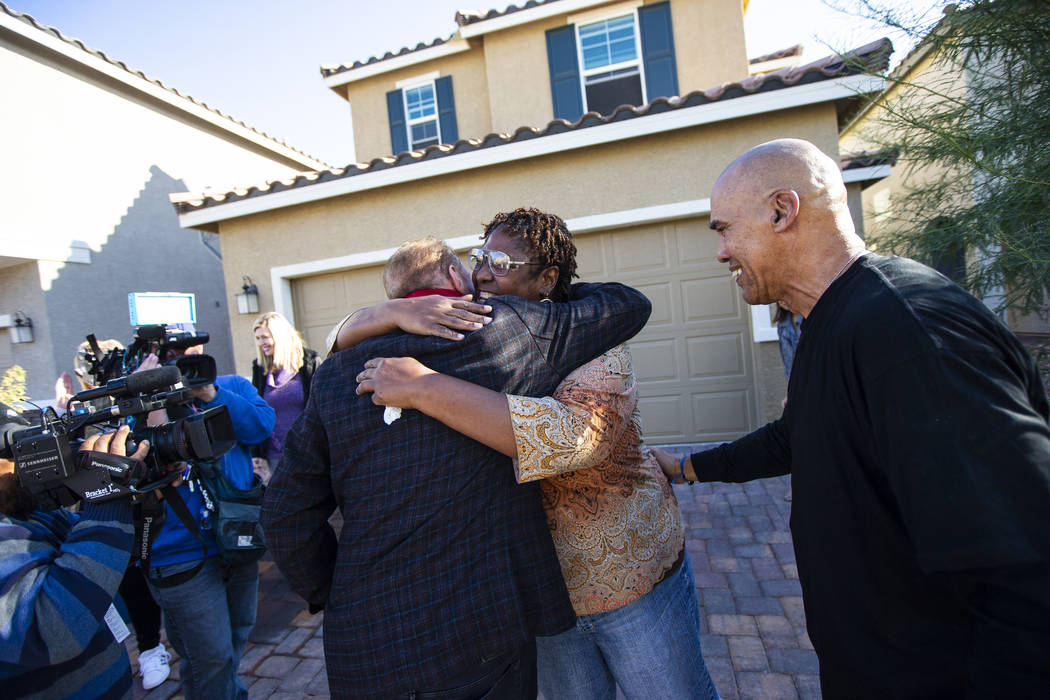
(150, 361)
(114, 443)
(206, 393)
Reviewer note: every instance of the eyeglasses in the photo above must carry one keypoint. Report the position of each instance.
(500, 263)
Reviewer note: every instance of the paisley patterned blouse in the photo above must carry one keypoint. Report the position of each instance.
(612, 514)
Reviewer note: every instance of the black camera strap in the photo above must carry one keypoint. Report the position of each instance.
(174, 499)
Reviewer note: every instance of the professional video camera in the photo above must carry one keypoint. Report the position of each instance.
(156, 339)
(47, 462)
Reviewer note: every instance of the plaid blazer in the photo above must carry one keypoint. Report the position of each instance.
(443, 559)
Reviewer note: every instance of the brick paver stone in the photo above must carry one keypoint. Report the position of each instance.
(766, 686)
(295, 639)
(276, 666)
(302, 675)
(732, 624)
(748, 654)
(254, 654)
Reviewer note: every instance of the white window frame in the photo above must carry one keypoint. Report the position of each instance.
(409, 122)
(584, 74)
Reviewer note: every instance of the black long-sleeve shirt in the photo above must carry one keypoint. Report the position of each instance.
(916, 435)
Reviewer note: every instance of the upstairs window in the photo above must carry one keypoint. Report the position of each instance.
(609, 54)
(597, 66)
(421, 111)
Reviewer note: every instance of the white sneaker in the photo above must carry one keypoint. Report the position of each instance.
(153, 666)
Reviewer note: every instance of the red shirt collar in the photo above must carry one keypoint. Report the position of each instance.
(428, 292)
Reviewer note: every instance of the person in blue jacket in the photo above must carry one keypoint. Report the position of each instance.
(208, 617)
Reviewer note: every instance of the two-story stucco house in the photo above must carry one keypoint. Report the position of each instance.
(616, 115)
(91, 150)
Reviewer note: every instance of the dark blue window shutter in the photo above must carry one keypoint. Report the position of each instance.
(565, 73)
(661, 72)
(395, 109)
(446, 109)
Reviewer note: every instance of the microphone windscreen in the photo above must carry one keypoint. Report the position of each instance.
(152, 379)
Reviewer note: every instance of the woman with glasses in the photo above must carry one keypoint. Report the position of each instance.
(612, 514)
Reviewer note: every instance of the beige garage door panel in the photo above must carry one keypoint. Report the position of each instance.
(322, 300)
(656, 359)
(718, 357)
(666, 419)
(639, 250)
(709, 299)
(722, 415)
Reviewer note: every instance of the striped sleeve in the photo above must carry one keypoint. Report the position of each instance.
(59, 574)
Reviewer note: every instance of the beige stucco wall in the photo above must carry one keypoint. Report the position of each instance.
(772, 385)
(708, 42)
(518, 77)
(368, 100)
(644, 171)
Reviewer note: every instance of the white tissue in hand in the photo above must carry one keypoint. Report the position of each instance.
(391, 414)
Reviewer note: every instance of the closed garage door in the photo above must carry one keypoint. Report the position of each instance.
(692, 360)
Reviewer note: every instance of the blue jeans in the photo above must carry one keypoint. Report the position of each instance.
(650, 648)
(208, 619)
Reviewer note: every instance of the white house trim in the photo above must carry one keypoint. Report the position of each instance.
(760, 103)
(762, 328)
(872, 172)
(418, 80)
(180, 104)
(281, 276)
(450, 47)
(532, 14)
(622, 8)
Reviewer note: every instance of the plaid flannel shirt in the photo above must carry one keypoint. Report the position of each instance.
(443, 559)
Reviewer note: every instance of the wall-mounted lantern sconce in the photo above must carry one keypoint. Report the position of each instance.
(22, 329)
(248, 299)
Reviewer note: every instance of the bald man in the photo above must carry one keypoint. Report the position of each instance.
(916, 433)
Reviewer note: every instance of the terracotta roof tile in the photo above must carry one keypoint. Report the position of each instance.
(327, 71)
(465, 17)
(795, 50)
(867, 159)
(28, 19)
(871, 57)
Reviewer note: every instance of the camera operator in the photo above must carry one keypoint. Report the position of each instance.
(59, 573)
(209, 608)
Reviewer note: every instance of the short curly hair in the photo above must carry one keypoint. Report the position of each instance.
(548, 240)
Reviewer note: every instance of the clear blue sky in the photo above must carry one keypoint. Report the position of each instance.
(258, 60)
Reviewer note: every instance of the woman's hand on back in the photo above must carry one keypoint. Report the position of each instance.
(393, 381)
(440, 316)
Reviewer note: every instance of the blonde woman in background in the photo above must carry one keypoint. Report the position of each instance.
(281, 374)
